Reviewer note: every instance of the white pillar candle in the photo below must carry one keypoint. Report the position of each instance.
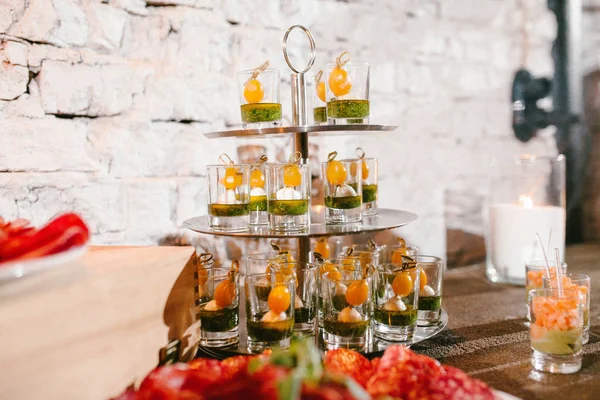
(512, 229)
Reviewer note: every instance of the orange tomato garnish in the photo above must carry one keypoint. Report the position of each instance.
(292, 175)
(257, 179)
(253, 91)
(402, 284)
(357, 293)
(279, 299)
(336, 172)
(321, 91)
(339, 84)
(322, 247)
(225, 293)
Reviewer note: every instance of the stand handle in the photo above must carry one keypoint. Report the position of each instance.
(313, 54)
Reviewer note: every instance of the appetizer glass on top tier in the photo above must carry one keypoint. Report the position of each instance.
(288, 188)
(218, 303)
(580, 282)
(346, 316)
(319, 100)
(347, 91)
(305, 303)
(556, 330)
(430, 289)
(228, 195)
(269, 311)
(395, 300)
(535, 271)
(369, 182)
(259, 97)
(342, 190)
(258, 194)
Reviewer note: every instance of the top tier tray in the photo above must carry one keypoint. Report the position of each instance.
(313, 130)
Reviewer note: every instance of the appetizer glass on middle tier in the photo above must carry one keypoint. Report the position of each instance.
(269, 311)
(395, 301)
(369, 182)
(430, 289)
(342, 190)
(258, 194)
(346, 316)
(288, 188)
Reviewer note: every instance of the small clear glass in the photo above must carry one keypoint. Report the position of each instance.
(258, 196)
(305, 303)
(369, 186)
(269, 314)
(257, 263)
(342, 191)
(556, 330)
(218, 306)
(288, 188)
(347, 93)
(346, 309)
(259, 111)
(366, 253)
(319, 100)
(395, 253)
(580, 282)
(333, 264)
(535, 271)
(228, 197)
(430, 290)
(395, 300)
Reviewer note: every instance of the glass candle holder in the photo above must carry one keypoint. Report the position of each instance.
(347, 93)
(319, 100)
(257, 263)
(527, 196)
(288, 188)
(580, 282)
(556, 330)
(305, 303)
(395, 253)
(218, 306)
(535, 271)
(369, 186)
(342, 191)
(259, 98)
(333, 265)
(258, 196)
(395, 300)
(346, 308)
(269, 312)
(430, 289)
(228, 197)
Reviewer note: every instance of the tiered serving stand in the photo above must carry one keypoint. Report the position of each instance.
(385, 219)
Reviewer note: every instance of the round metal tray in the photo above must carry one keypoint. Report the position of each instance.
(313, 130)
(383, 220)
(375, 347)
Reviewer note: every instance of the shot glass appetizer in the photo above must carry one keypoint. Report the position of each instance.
(305, 303)
(319, 100)
(342, 191)
(394, 254)
(430, 289)
(579, 282)
(257, 263)
(535, 271)
(346, 316)
(259, 97)
(218, 303)
(258, 194)
(369, 182)
(395, 299)
(269, 312)
(368, 254)
(228, 195)
(288, 187)
(347, 91)
(556, 330)
(334, 265)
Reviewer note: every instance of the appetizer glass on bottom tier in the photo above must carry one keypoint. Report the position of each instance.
(257, 263)
(430, 289)
(269, 312)
(369, 253)
(259, 98)
(346, 309)
(336, 265)
(305, 303)
(535, 271)
(342, 191)
(395, 253)
(218, 306)
(556, 330)
(228, 197)
(395, 299)
(288, 188)
(580, 282)
(347, 92)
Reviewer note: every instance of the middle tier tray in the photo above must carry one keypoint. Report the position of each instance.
(384, 219)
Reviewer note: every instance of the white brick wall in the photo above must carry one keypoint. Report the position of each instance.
(94, 96)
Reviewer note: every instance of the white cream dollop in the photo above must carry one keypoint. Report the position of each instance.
(340, 289)
(426, 291)
(344, 191)
(211, 306)
(288, 193)
(227, 197)
(270, 316)
(298, 302)
(394, 304)
(349, 314)
(257, 192)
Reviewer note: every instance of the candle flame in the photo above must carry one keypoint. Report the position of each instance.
(525, 201)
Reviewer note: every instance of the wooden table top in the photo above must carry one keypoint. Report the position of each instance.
(88, 330)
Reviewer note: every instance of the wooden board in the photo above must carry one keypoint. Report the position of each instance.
(87, 330)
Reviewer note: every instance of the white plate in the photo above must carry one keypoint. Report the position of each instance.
(10, 271)
(504, 396)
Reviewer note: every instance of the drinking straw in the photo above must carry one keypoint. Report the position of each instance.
(550, 239)
(558, 272)
(537, 236)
